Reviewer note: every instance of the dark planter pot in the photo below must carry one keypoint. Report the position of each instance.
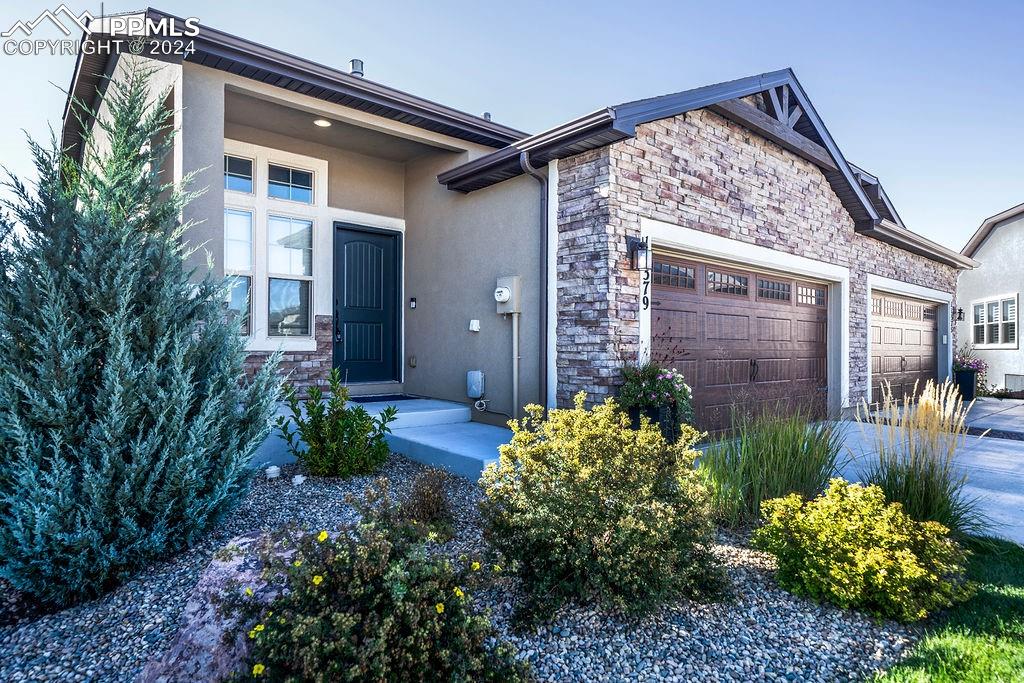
(967, 383)
(664, 416)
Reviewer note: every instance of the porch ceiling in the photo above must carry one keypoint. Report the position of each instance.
(270, 116)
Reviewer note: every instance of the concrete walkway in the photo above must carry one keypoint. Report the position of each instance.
(1005, 417)
(994, 467)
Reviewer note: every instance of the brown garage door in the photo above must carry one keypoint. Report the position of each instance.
(744, 340)
(903, 343)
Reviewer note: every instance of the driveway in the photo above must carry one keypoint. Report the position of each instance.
(1004, 417)
(994, 467)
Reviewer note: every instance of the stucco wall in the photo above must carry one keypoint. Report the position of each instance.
(1001, 272)
(699, 171)
(457, 245)
(355, 181)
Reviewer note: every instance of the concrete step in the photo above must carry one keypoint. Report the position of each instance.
(421, 412)
(434, 432)
(461, 448)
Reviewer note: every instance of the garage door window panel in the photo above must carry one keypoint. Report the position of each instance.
(731, 284)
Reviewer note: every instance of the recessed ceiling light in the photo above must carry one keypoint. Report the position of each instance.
(323, 123)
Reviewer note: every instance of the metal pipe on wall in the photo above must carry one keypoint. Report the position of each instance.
(515, 365)
(542, 361)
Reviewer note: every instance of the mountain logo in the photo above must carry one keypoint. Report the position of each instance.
(70, 23)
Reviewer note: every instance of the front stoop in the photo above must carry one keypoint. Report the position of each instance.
(433, 432)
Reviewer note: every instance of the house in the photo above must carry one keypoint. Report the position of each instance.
(990, 297)
(719, 230)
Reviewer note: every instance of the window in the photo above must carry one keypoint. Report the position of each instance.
(726, 283)
(288, 313)
(773, 290)
(289, 246)
(290, 183)
(239, 300)
(994, 323)
(290, 265)
(672, 275)
(237, 240)
(811, 296)
(238, 263)
(237, 174)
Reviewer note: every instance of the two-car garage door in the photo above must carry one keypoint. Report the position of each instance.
(746, 340)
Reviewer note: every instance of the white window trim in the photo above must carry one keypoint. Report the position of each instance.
(262, 206)
(998, 300)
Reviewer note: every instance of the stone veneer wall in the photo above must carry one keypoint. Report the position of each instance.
(700, 171)
(304, 369)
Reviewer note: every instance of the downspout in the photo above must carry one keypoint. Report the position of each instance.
(542, 360)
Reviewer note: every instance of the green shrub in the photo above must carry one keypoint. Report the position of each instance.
(369, 604)
(769, 456)
(428, 506)
(126, 421)
(585, 508)
(851, 548)
(331, 438)
(916, 439)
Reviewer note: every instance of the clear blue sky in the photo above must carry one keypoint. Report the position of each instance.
(927, 95)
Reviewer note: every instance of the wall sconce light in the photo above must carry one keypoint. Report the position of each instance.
(958, 315)
(639, 253)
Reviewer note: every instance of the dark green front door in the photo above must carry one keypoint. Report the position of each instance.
(366, 315)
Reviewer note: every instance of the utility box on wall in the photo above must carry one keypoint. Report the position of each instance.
(508, 294)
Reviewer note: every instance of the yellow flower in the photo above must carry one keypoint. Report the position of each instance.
(475, 566)
(258, 669)
(496, 568)
(259, 627)
(248, 591)
(280, 620)
(252, 634)
(458, 592)
(322, 537)
(297, 563)
(317, 580)
(439, 607)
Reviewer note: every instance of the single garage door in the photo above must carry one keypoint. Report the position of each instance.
(903, 343)
(745, 340)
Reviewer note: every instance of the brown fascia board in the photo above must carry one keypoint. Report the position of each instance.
(889, 232)
(257, 56)
(542, 147)
(624, 118)
(987, 226)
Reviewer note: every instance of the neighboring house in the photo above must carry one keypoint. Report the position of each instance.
(719, 230)
(990, 297)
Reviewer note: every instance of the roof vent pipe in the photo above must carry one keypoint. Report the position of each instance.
(356, 68)
(487, 116)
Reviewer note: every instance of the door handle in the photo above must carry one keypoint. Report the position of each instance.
(753, 369)
(903, 363)
(337, 323)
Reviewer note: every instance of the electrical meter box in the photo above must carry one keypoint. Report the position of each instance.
(508, 294)
(475, 384)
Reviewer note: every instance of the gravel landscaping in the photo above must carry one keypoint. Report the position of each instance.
(761, 633)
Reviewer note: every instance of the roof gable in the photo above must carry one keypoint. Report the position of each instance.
(987, 226)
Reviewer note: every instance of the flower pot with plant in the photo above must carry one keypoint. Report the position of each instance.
(966, 369)
(660, 394)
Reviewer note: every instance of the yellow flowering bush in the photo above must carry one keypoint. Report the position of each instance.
(851, 548)
(369, 604)
(585, 508)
